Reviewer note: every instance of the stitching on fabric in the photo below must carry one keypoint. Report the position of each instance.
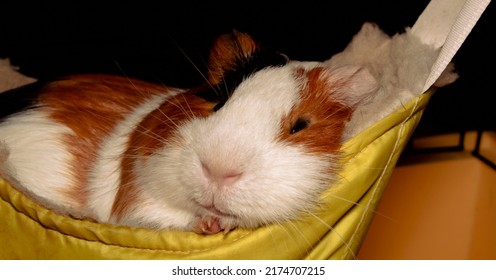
(182, 252)
(381, 177)
(178, 252)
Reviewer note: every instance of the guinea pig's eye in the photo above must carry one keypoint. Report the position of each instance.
(218, 106)
(300, 124)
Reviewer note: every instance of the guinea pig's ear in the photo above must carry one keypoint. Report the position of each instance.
(227, 51)
(356, 84)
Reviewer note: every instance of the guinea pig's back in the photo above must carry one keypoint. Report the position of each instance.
(55, 133)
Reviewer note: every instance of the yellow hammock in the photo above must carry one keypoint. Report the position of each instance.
(336, 231)
(29, 231)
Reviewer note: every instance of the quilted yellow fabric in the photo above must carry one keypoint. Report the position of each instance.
(336, 231)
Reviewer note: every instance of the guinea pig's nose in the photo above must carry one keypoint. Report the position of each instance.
(220, 176)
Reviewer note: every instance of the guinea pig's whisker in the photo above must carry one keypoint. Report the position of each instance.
(276, 238)
(148, 132)
(187, 111)
(327, 117)
(291, 230)
(226, 89)
(195, 66)
(301, 234)
(178, 105)
(128, 156)
(165, 88)
(174, 124)
(127, 78)
(151, 134)
(346, 244)
(284, 227)
(362, 206)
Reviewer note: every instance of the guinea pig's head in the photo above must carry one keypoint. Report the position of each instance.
(270, 144)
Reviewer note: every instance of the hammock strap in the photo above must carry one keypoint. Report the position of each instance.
(446, 24)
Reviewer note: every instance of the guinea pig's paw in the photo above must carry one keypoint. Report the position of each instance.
(207, 225)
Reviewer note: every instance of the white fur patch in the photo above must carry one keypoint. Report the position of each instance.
(104, 179)
(38, 156)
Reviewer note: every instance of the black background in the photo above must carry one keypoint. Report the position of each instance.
(168, 41)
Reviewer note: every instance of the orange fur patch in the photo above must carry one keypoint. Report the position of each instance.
(91, 105)
(327, 117)
(227, 51)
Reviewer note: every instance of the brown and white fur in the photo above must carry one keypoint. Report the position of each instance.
(254, 145)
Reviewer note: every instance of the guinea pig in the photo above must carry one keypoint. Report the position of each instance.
(256, 144)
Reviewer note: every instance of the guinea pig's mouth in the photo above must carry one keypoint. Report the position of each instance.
(216, 211)
(211, 209)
